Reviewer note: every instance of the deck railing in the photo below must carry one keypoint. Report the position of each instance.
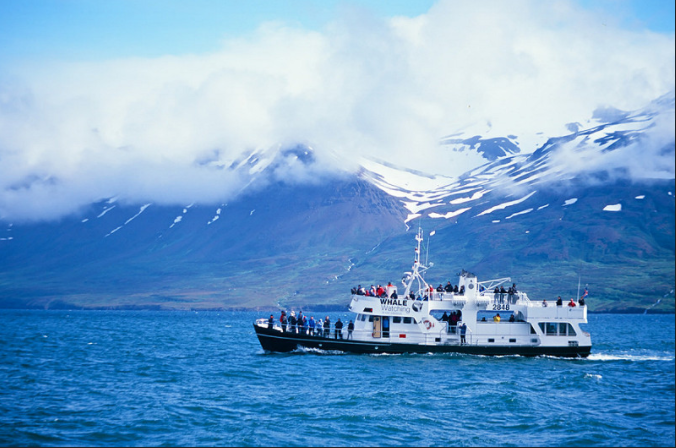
(426, 338)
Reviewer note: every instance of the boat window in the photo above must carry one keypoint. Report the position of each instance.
(363, 317)
(407, 320)
(370, 318)
(532, 330)
(396, 320)
(562, 329)
(555, 328)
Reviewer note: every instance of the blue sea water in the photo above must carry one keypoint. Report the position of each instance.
(142, 378)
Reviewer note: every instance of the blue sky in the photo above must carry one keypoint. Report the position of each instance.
(89, 29)
(100, 29)
(147, 100)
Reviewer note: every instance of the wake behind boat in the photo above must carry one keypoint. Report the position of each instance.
(473, 317)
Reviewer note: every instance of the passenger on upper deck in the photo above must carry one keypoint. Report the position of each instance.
(448, 287)
(440, 288)
(380, 291)
(511, 318)
(455, 289)
(462, 290)
(311, 325)
(571, 303)
(559, 302)
(361, 291)
(391, 289)
(544, 303)
(581, 301)
(444, 318)
(496, 318)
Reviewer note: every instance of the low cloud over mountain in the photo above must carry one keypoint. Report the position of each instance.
(170, 129)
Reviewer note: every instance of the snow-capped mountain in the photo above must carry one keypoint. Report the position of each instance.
(597, 203)
(605, 149)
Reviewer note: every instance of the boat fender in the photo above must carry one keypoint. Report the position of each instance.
(428, 323)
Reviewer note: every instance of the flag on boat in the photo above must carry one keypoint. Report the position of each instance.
(585, 293)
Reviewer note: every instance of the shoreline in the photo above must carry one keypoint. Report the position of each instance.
(316, 309)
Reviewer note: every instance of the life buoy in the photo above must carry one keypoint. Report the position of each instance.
(428, 323)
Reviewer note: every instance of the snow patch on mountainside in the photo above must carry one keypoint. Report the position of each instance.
(506, 204)
(215, 218)
(143, 207)
(449, 214)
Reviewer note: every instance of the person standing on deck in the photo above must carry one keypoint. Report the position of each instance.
(339, 329)
(311, 325)
(463, 332)
(292, 322)
(282, 320)
(327, 327)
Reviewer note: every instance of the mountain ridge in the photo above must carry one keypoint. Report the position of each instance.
(582, 204)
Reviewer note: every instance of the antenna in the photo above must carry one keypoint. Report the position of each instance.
(578, 287)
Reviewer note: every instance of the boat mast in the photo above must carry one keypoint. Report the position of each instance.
(418, 268)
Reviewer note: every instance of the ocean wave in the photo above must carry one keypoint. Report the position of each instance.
(626, 357)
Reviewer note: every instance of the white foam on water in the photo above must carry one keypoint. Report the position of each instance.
(593, 376)
(607, 357)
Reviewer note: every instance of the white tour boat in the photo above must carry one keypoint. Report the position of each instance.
(412, 322)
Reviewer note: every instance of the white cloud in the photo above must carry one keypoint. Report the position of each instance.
(389, 89)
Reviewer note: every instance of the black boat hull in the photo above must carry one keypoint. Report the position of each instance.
(273, 340)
